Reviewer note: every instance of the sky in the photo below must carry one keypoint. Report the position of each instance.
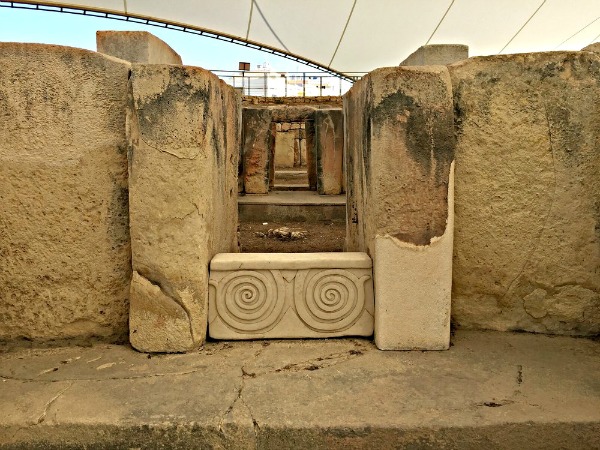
(72, 30)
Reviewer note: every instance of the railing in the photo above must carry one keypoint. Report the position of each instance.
(286, 84)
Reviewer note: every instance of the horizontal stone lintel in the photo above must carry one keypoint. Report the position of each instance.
(294, 261)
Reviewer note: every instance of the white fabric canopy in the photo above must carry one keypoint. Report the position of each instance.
(361, 35)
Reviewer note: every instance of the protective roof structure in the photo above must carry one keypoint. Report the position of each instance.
(346, 36)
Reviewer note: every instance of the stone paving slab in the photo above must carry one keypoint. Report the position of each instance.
(490, 390)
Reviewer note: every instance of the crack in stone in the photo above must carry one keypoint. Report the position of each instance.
(134, 377)
(49, 404)
(546, 219)
(321, 362)
(519, 374)
(239, 398)
(141, 137)
(170, 294)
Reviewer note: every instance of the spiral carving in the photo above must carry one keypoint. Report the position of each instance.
(250, 301)
(331, 300)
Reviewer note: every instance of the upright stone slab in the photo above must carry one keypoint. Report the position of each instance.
(136, 47)
(258, 146)
(65, 261)
(527, 243)
(184, 137)
(399, 159)
(311, 154)
(329, 143)
(437, 54)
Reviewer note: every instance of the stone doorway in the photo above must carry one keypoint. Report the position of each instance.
(289, 164)
(292, 194)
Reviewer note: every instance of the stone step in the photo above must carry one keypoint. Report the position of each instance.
(490, 390)
(294, 206)
(290, 187)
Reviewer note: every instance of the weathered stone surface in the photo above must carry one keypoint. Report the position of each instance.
(285, 295)
(184, 139)
(527, 242)
(311, 154)
(285, 149)
(136, 47)
(595, 47)
(258, 145)
(64, 240)
(437, 54)
(400, 149)
(490, 390)
(329, 143)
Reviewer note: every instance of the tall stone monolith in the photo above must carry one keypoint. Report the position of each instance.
(329, 142)
(527, 243)
(184, 144)
(399, 159)
(65, 262)
(257, 149)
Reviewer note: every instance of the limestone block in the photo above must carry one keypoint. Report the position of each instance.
(329, 143)
(399, 154)
(311, 155)
(284, 149)
(136, 47)
(258, 145)
(65, 261)
(527, 242)
(184, 138)
(437, 54)
(284, 295)
(595, 47)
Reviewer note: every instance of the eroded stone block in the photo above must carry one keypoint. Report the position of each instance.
(400, 149)
(258, 146)
(437, 54)
(329, 142)
(184, 137)
(136, 47)
(276, 295)
(65, 261)
(527, 242)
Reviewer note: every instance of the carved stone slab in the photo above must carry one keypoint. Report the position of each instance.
(290, 295)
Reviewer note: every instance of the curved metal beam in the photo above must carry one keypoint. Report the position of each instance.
(145, 20)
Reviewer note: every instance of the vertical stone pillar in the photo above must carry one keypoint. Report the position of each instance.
(184, 137)
(258, 145)
(311, 156)
(329, 148)
(271, 155)
(399, 157)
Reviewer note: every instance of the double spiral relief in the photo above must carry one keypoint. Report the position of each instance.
(329, 300)
(282, 303)
(251, 301)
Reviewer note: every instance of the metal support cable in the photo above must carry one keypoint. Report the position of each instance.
(269, 25)
(578, 31)
(440, 22)
(342, 35)
(524, 25)
(594, 40)
(250, 18)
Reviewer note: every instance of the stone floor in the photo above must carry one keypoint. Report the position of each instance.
(490, 390)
